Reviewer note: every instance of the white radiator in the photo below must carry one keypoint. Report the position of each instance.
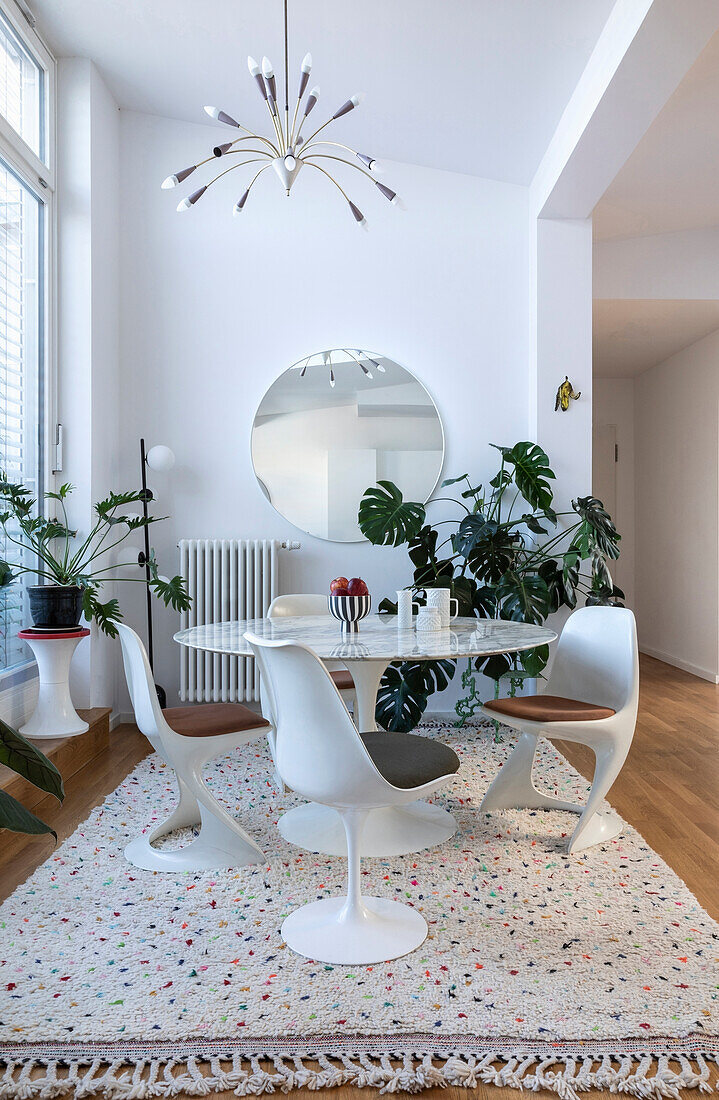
(228, 579)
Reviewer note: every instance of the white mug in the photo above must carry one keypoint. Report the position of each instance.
(440, 599)
(429, 618)
(405, 607)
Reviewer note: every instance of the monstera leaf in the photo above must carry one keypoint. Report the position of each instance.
(597, 531)
(428, 568)
(404, 692)
(523, 597)
(532, 472)
(386, 519)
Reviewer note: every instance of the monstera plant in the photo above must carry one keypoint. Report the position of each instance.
(27, 761)
(509, 555)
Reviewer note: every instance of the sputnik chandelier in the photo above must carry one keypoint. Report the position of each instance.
(340, 355)
(285, 150)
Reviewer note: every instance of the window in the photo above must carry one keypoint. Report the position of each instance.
(25, 291)
(21, 89)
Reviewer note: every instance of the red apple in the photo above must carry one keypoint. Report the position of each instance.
(357, 587)
(339, 582)
(340, 592)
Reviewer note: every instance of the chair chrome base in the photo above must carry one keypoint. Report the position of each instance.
(390, 831)
(332, 931)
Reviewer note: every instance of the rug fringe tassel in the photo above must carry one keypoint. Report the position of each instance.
(647, 1076)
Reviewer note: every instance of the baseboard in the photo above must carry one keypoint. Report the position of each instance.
(685, 666)
(122, 718)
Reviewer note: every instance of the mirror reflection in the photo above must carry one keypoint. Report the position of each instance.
(335, 423)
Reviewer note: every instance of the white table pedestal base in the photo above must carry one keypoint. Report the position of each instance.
(54, 715)
(391, 831)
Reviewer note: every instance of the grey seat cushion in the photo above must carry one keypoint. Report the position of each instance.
(407, 760)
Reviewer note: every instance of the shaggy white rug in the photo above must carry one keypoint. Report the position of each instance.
(540, 969)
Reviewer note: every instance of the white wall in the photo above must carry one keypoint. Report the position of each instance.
(613, 404)
(677, 492)
(88, 331)
(214, 308)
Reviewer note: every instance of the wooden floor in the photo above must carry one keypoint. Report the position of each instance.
(668, 790)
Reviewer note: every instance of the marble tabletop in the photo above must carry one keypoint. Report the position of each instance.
(378, 638)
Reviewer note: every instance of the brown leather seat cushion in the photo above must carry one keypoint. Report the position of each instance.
(343, 680)
(213, 719)
(549, 708)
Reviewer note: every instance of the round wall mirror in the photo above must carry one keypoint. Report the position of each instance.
(334, 424)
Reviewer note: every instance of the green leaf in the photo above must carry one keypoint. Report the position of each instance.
(400, 705)
(523, 598)
(24, 759)
(453, 480)
(17, 819)
(532, 472)
(597, 531)
(534, 661)
(386, 519)
(172, 593)
(428, 568)
(494, 667)
(405, 689)
(104, 614)
(6, 575)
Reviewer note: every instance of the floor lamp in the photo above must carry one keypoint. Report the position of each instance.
(160, 459)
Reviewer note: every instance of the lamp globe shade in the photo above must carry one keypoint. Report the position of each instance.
(160, 458)
(127, 554)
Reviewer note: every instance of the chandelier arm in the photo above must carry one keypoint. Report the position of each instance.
(278, 130)
(258, 137)
(328, 156)
(257, 175)
(287, 91)
(233, 167)
(318, 130)
(338, 144)
(331, 178)
(293, 138)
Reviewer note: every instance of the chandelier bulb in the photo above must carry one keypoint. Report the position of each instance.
(312, 99)
(290, 161)
(222, 116)
(191, 199)
(240, 204)
(307, 63)
(305, 70)
(179, 177)
(357, 214)
(349, 105)
(269, 75)
(370, 163)
(253, 66)
(220, 150)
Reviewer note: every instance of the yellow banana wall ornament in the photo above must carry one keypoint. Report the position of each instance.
(565, 392)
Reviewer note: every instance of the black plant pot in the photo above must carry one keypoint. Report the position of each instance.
(55, 604)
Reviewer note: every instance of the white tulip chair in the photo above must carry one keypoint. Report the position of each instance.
(187, 738)
(591, 697)
(321, 755)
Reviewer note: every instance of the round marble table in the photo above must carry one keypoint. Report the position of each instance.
(391, 831)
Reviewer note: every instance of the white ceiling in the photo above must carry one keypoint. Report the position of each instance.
(475, 86)
(632, 335)
(670, 182)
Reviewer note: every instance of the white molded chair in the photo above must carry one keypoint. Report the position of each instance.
(591, 697)
(302, 603)
(321, 756)
(187, 738)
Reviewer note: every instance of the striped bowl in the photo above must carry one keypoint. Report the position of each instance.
(349, 610)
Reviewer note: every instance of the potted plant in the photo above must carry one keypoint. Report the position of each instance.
(74, 568)
(509, 555)
(25, 760)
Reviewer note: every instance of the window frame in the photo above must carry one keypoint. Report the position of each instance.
(39, 176)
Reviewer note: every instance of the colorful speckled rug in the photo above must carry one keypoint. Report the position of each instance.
(540, 969)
